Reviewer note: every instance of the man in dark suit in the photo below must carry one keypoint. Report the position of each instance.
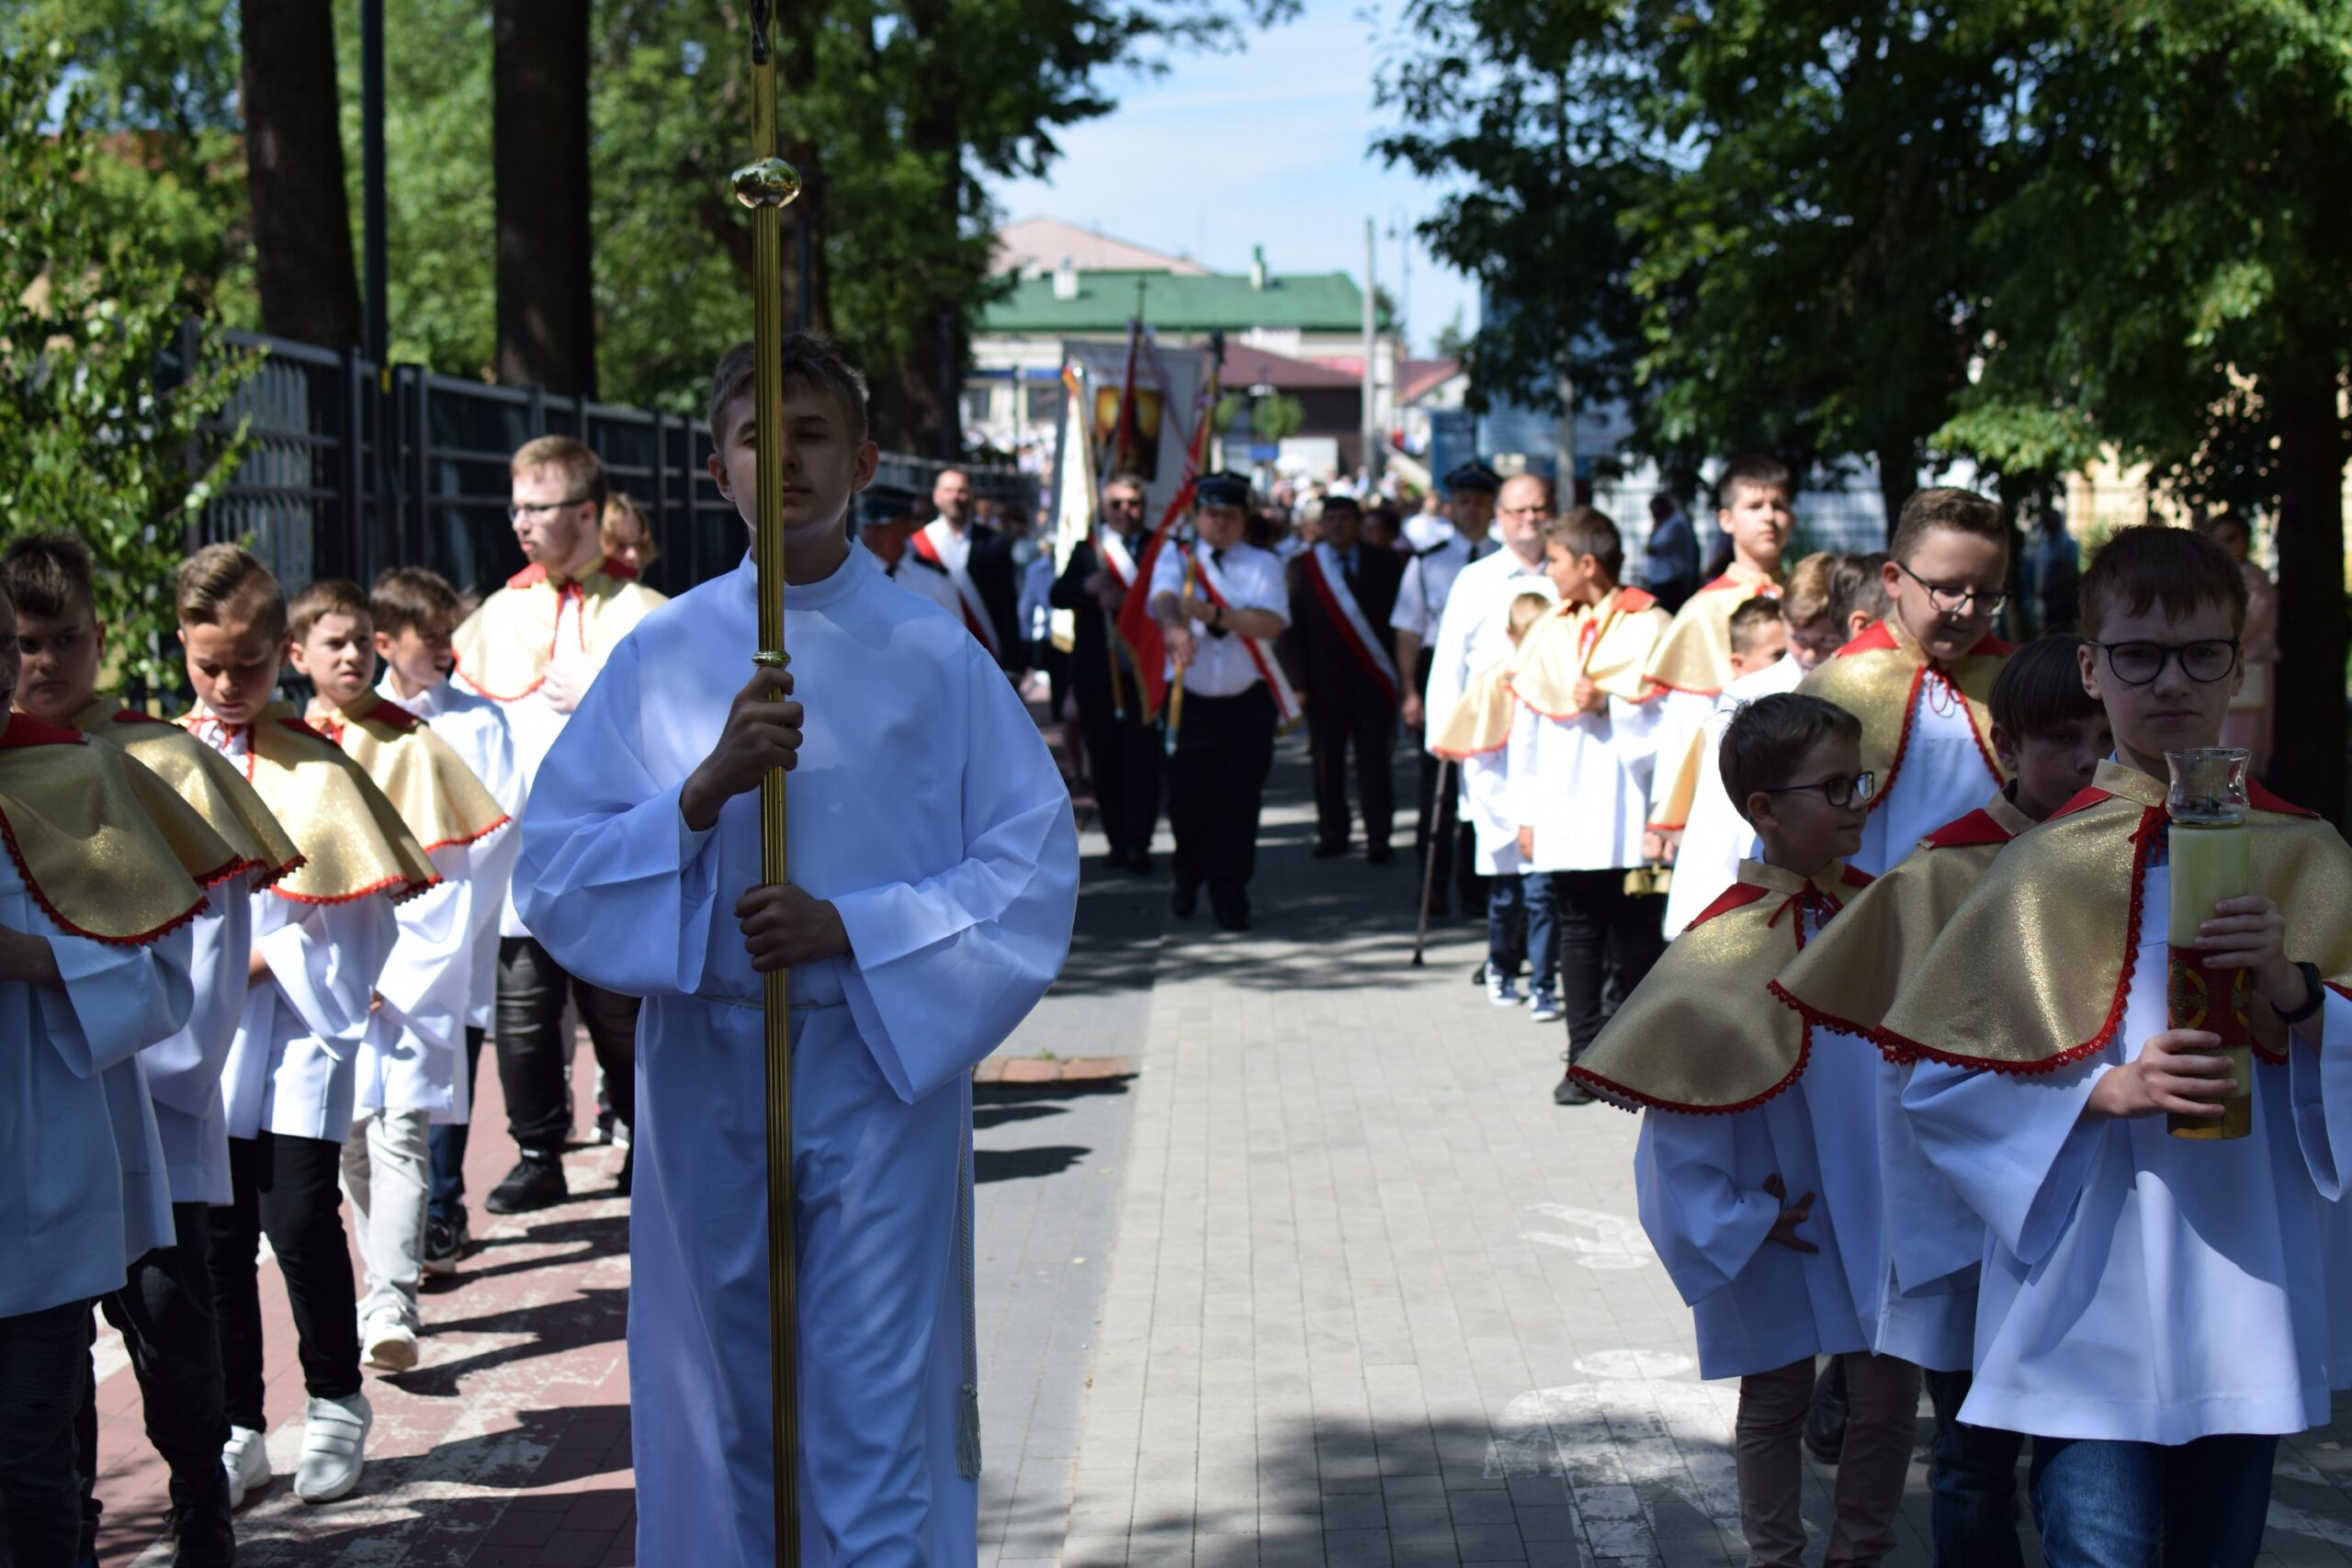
(960, 544)
(1122, 745)
(1342, 593)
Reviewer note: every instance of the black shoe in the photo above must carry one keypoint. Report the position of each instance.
(1184, 901)
(1380, 855)
(1141, 862)
(535, 1182)
(1233, 919)
(1824, 1424)
(197, 1524)
(445, 1243)
(1568, 1092)
(627, 1179)
(1115, 859)
(1330, 852)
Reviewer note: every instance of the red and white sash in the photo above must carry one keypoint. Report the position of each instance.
(1330, 580)
(1261, 649)
(952, 553)
(1116, 558)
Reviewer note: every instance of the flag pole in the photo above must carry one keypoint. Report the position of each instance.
(1208, 422)
(767, 185)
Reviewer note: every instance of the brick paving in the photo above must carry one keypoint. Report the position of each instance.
(1286, 1259)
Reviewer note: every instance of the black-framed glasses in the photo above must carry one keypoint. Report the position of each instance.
(1950, 601)
(514, 513)
(1840, 790)
(2206, 659)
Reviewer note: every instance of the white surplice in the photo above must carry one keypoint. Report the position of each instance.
(1583, 783)
(412, 1056)
(75, 1206)
(925, 807)
(1944, 776)
(1715, 836)
(2139, 1287)
(184, 1072)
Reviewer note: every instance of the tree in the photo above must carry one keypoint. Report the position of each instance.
(540, 154)
(301, 219)
(89, 444)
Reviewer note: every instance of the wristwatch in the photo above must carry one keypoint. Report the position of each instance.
(2310, 1003)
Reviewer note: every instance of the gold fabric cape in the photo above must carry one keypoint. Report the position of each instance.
(428, 783)
(353, 842)
(1877, 677)
(1674, 815)
(504, 647)
(1848, 975)
(202, 777)
(1695, 653)
(1702, 1034)
(2033, 970)
(1611, 642)
(1480, 722)
(106, 847)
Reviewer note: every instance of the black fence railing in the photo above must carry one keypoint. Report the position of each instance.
(352, 468)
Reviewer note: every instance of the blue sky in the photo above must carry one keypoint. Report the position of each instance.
(1268, 145)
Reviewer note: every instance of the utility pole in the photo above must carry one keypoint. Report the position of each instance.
(1370, 346)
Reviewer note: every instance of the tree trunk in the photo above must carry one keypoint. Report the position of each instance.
(2307, 758)
(807, 301)
(1898, 475)
(303, 263)
(547, 312)
(921, 402)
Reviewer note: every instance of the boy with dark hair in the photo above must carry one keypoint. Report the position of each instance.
(321, 937)
(414, 613)
(1742, 1181)
(407, 1060)
(164, 1310)
(1758, 635)
(2154, 1309)
(2050, 735)
(1918, 678)
(934, 871)
(1581, 751)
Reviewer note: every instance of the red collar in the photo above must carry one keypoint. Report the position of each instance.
(26, 730)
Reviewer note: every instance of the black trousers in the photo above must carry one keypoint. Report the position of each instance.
(44, 1368)
(1604, 931)
(289, 1189)
(532, 1050)
(1217, 782)
(1340, 719)
(1123, 756)
(171, 1326)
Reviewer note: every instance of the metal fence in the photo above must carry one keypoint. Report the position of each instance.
(354, 467)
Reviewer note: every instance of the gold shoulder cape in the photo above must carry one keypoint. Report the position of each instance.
(504, 647)
(353, 842)
(106, 847)
(2032, 971)
(1612, 642)
(1695, 653)
(1848, 976)
(1700, 1034)
(428, 783)
(1878, 678)
(202, 777)
(1480, 722)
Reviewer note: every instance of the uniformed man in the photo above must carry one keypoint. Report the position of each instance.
(1123, 743)
(1220, 603)
(1420, 601)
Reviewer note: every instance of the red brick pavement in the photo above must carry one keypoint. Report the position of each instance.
(509, 1444)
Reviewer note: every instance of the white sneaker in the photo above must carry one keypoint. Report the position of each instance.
(1502, 991)
(245, 1456)
(1546, 1009)
(334, 1440)
(387, 1343)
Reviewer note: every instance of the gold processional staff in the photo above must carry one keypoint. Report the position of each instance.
(767, 185)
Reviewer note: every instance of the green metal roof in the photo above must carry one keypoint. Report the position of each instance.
(1315, 302)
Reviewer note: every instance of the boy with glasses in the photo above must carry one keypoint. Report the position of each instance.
(533, 648)
(1743, 1176)
(2154, 1310)
(1918, 679)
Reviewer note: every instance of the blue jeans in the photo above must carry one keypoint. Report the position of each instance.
(1522, 922)
(2113, 1504)
(44, 1362)
(444, 1197)
(1974, 1480)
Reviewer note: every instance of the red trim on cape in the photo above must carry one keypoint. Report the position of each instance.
(135, 716)
(469, 839)
(1311, 563)
(412, 889)
(2262, 799)
(302, 727)
(1634, 601)
(1628, 1100)
(391, 713)
(1854, 876)
(1879, 638)
(1963, 832)
(1737, 895)
(24, 730)
(530, 576)
(1891, 1046)
(24, 875)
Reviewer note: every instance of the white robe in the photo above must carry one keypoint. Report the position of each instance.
(1486, 806)
(412, 1056)
(477, 729)
(1944, 776)
(184, 1072)
(2139, 1287)
(1715, 836)
(1583, 783)
(74, 1206)
(925, 807)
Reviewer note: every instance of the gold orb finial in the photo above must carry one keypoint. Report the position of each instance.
(767, 182)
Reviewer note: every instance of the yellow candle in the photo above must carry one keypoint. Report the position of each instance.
(2210, 864)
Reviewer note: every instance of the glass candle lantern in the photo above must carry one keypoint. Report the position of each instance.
(2208, 847)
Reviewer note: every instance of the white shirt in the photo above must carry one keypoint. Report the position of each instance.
(1252, 579)
(1583, 783)
(534, 722)
(1429, 576)
(477, 729)
(1425, 529)
(1475, 631)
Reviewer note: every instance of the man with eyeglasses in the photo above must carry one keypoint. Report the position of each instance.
(534, 648)
(1123, 744)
